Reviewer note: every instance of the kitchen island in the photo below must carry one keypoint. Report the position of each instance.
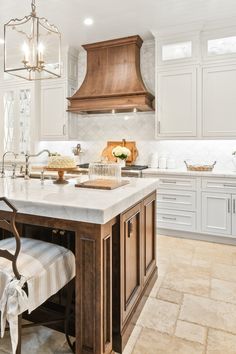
(114, 234)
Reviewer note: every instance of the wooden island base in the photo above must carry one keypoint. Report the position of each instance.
(116, 269)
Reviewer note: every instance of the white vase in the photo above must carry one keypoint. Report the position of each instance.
(121, 162)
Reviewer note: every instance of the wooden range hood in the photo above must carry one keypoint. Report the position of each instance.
(113, 82)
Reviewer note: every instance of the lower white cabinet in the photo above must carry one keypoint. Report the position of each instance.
(203, 205)
(216, 213)
(176, 220)
(234, 215)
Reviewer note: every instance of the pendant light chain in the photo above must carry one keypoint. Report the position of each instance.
(33, 6)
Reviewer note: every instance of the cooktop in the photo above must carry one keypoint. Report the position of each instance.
(127, 167)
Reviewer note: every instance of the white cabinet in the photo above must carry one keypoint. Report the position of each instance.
(53, 122)
(218, 101)
(56, 123)
(177, 103)
(18, 110)
(234, 215)
(216, 213)
(177, 203)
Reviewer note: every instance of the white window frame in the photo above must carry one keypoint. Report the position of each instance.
(216, 34)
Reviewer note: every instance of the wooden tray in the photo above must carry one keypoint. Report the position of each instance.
(107, 184)
(131, 145)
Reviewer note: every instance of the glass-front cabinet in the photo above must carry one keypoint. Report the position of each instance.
(17, 118)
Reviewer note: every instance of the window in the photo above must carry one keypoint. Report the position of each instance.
(177, 51)
(221, 46)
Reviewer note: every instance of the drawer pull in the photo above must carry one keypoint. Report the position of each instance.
(130, 228)
(234, 206)
(229, 185)
(168, 181)
(169, 198)
(168, 218)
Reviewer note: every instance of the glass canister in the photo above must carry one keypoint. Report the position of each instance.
(104, 170)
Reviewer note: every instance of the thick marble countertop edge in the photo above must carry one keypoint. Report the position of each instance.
(74, 204)
(181, 172)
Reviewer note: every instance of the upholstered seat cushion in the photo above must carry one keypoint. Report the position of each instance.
(46, 267)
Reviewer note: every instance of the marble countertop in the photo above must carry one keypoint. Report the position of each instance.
(70, 203)
(175, 172)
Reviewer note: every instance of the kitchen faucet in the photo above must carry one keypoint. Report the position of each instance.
(3, 161)
(27, 157)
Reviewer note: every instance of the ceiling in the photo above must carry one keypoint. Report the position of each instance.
(117, 18)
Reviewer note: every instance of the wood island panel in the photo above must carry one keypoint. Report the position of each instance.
(115, 270)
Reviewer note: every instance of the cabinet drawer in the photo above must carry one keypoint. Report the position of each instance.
(219, 184)
(176, 220)
(179, 200)
(177, 183)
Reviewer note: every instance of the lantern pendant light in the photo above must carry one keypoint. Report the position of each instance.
(32, 48)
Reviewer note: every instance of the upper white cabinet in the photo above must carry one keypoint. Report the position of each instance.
(53, 112)
(218, 101)
(196, 84)
(56, 122)
(177, 102)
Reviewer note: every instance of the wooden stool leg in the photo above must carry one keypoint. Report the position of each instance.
(18, 350)
(70, 295)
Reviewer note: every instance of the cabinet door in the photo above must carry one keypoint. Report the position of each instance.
(218, 99)
(130, 259)
(216, 213)
(177, 103)
(149, 236)
(234, 215)
(53, 112)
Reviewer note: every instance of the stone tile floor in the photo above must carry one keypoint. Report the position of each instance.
(191, 309)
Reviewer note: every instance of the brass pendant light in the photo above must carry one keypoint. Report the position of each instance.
(32, 48)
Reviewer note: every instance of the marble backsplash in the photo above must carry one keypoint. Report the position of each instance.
(180, 150)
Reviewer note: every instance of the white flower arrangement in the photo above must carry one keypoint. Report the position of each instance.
(121, 152)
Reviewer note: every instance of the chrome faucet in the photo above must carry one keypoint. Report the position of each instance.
(27, 157)
(3, 161)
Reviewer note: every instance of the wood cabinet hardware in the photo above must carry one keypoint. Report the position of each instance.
(130, 228)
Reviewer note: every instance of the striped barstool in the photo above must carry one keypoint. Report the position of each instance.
(31, 271)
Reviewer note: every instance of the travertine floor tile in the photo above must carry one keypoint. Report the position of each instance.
(208, 312)
(224, 272)
(159, 315)
(213, 255)
(223, 290)
(132, 340)
(37, 341)
(189, 279)
(191, 332)
(170, 295)
(156, 286)
(153, 342)
(220, 342)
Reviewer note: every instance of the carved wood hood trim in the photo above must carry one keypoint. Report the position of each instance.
(113, 80)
